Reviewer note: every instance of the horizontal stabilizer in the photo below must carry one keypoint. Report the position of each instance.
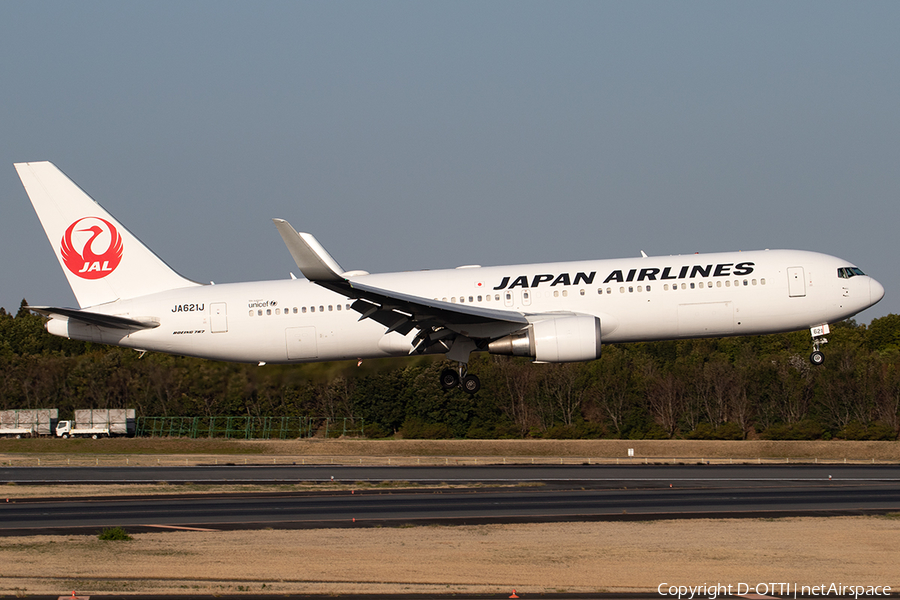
(96, 319)
(313, 260)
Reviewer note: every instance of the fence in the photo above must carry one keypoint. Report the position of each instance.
(249, 428)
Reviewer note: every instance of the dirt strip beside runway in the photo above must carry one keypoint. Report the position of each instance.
(532, 558)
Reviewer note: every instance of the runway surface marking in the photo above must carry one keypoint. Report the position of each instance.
(177, 527)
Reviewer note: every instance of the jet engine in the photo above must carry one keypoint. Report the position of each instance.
(557, 339)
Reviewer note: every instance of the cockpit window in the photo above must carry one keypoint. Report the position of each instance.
(848, 272)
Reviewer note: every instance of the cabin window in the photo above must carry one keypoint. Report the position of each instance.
(666, 287)
(259, 312)
(479, 298)
(565, 293)
(339, 307)
(268, 311)
(621, 290)
(497, 297)
(728, 284)
(321, 309)
(648, 288)
(753, 281)
(471, 299)
(312, 309)
(630, 289)
(303, 309)
(718, 284)
(600, 291)
(762, 281)
(330, 308)
(277, 311)
(556, 293)
(582, 292)
(453, 299)
(746, 283)
(640, 288)
(251, 313)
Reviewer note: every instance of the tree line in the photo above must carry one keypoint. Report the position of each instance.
(723, 388)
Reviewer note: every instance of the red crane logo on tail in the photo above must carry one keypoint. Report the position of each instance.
(100, 244)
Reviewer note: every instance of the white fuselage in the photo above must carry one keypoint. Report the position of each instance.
(638, 299)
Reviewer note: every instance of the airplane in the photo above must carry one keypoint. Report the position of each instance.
(551, 312)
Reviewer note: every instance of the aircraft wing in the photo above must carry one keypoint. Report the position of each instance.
(436, 321)
(96, 319)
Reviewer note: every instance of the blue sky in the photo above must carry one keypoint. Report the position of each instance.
(409, 135)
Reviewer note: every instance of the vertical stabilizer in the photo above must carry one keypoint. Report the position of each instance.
(102, 260)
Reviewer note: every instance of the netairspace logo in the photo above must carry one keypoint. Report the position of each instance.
(781, 589)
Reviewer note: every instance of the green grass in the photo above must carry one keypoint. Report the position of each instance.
(114, 534)
(135, 446)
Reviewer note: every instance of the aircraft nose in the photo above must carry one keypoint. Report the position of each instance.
(876, 291)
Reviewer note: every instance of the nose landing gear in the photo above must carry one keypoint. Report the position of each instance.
(819, 340)
(817, 357)
(468, 382)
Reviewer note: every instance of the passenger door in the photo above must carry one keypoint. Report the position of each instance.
(796, 282)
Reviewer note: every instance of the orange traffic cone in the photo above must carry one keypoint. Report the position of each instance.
(514, 594)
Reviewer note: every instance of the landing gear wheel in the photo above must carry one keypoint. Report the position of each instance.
(471, 384)
(817, 358)
(449, 379)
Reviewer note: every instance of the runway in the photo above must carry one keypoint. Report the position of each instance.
(500, 474)
(565, 493)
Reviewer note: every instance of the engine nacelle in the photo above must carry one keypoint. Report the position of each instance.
(560, 339)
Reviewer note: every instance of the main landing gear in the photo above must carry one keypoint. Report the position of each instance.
(468, 382)
(819, 340)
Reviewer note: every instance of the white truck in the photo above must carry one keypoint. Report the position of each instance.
(97, 423)
(67, 429)
(20, 423)
(17, 432)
